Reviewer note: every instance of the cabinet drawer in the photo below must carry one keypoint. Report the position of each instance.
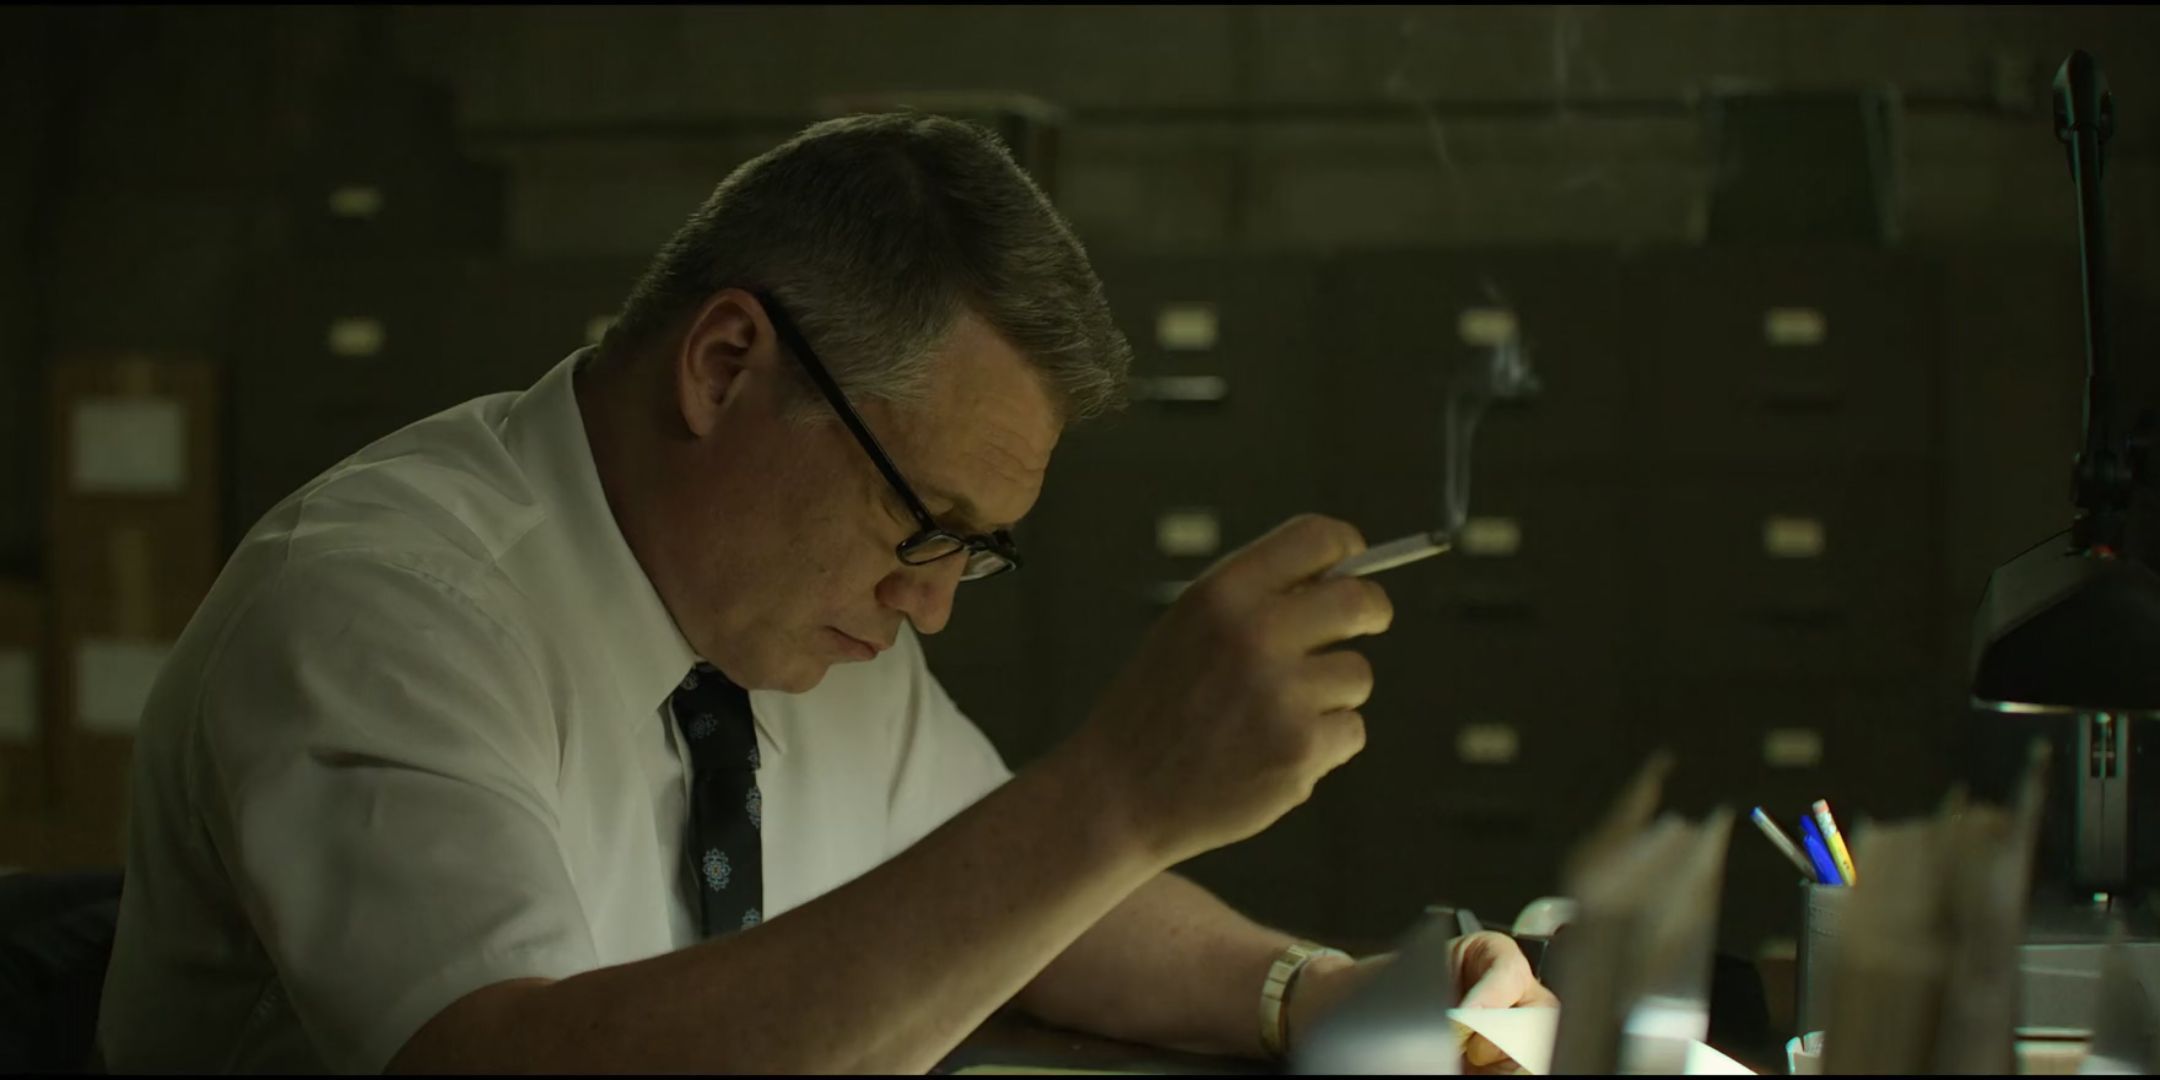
(1871, 746)
(1788, 356)
(1403, 324)
(1223, 354)
(1789, 571)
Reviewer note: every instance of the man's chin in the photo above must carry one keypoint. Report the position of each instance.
(802, 677)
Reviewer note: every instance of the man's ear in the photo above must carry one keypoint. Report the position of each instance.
(728, 338)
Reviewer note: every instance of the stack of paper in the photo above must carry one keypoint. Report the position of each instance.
(1924, 975)
(1633, 968)
(1527, 1036)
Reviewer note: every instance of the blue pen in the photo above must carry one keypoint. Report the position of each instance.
(1826, 870)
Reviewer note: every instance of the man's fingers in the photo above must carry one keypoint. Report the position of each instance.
(1344, 732)
(1328, 612)
(1337, 680)
(1294, 551)
(1481, 1051)
(1497, 972)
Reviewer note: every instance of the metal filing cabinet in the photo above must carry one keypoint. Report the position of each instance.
(1790, 455)
(1712, 531)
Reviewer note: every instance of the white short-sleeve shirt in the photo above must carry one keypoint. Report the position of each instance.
(416, 742)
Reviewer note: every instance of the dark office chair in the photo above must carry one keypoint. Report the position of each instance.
(56, 934)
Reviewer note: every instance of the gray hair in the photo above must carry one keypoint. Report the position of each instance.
(876, 232)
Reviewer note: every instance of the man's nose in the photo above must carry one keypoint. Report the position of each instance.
(924, 593)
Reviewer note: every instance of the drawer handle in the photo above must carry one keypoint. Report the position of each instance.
(1487, 744)
(1194, 531)
(1792, 748)
(1181, 389)
(1192, 326)
(1789, 327)
(361, 201)
(355, 335)
(1790, 536)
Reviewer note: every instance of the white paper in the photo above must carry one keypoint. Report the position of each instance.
(132, 446)
(1523, 1034)
(1181, 388)
(1527, 1036)
(112, 681)
(1704, 1059)
(18, 696)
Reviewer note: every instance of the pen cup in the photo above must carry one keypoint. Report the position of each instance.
(1822, 907)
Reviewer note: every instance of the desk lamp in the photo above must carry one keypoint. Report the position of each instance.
(2067, 638)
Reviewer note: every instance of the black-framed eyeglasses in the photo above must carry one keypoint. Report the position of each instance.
(987, 555)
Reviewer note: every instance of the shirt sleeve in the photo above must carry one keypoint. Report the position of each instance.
(381, 767)
(946, 763)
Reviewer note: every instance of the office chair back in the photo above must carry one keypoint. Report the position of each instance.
(56, 935)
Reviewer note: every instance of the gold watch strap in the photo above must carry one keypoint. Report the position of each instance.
(1275, 993)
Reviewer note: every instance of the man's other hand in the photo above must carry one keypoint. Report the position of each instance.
(1491, 972)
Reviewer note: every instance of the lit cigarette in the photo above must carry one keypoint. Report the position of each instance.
(1392, 554)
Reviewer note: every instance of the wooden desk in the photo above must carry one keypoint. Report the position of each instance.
(1011, 1038)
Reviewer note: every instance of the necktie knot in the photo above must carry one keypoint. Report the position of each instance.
(715, 717)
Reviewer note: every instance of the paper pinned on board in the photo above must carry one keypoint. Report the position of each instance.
(1527, 1035)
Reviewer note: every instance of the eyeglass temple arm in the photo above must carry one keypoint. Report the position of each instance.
(803, 356)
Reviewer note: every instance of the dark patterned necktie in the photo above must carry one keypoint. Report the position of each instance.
(721, 844)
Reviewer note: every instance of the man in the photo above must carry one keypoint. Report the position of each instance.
(586, 728)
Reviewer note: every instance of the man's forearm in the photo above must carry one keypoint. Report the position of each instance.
(1171, 966)
(885, 974)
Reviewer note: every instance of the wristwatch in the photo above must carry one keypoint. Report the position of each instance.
(1275, 993)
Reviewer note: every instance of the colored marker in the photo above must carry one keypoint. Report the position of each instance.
(1826, 870)
(1782, 842)
(1835, 841)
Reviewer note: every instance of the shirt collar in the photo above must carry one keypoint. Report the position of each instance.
(602, 591)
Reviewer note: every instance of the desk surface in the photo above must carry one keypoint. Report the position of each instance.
(1010, 1038)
